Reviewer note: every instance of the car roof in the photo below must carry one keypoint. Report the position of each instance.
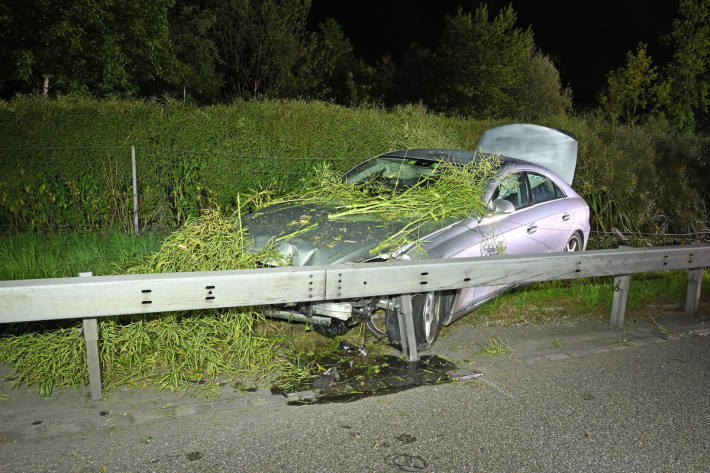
(456, 156)
(551, 148)
(462, 156)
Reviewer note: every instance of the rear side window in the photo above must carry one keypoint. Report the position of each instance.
(512, 188)
(543, 189)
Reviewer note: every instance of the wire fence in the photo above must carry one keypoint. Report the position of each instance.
(55, 189)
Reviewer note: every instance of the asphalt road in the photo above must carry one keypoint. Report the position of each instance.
(571, 398)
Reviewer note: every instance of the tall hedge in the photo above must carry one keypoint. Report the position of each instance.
(67, 162)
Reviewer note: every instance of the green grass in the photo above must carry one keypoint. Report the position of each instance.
(33, 256)
(584, 298)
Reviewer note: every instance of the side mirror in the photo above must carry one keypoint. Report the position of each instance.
(502, 206)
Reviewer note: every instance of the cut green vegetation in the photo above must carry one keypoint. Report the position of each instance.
(495, 347)
(180, 350)
(168, 351)
(451, 192)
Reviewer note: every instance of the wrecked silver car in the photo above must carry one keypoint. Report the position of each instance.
(532, 208)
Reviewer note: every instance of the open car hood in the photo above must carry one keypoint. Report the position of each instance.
(550, 148)
(304, 233)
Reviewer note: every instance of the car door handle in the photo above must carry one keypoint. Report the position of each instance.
(565, 216)
(532, 229)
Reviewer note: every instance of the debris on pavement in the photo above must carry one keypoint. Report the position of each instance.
(327, 379)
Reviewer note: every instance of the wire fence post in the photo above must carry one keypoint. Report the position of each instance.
(135, 189)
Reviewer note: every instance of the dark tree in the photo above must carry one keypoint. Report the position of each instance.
(338, 74)
(688, 74)
(192, 29)
(482, 63)
(264, 47)
(116, 46)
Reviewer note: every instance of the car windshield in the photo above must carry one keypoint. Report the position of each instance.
(392, 172)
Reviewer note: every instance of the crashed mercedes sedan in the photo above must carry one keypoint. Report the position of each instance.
(530, 208)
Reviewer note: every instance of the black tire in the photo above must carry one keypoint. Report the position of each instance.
(429, 310)
(574, 243)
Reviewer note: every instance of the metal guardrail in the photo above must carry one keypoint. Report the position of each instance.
(101, 296)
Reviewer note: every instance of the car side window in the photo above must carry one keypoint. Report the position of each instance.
(513, 189)
(543, 189)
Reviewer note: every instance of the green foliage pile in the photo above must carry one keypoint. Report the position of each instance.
(456, 192)
(211, 242)
(169, 351)
(175, 351)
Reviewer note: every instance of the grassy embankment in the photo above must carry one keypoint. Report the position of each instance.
(623, 192)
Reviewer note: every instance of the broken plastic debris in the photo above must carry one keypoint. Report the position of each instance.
(351, 349)
(327, 379)
(465, 376)
(347, 347)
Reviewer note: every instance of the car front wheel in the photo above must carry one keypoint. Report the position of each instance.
(429, 309)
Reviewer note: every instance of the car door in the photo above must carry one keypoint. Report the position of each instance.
(549, 214)
(500, 234)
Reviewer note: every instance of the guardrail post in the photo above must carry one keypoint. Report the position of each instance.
(618, 304)
(91, 338)
(403, 305)
(692, 297)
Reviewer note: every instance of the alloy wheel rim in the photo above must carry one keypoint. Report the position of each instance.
(430, 315)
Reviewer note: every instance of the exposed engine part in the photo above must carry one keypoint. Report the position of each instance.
(379, 309)
(316, 320)
(338, 310)
(334, 328)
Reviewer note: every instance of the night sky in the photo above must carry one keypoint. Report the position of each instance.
(585, 39)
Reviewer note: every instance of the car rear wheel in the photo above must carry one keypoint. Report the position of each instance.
(574, 243)
(429, 309)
